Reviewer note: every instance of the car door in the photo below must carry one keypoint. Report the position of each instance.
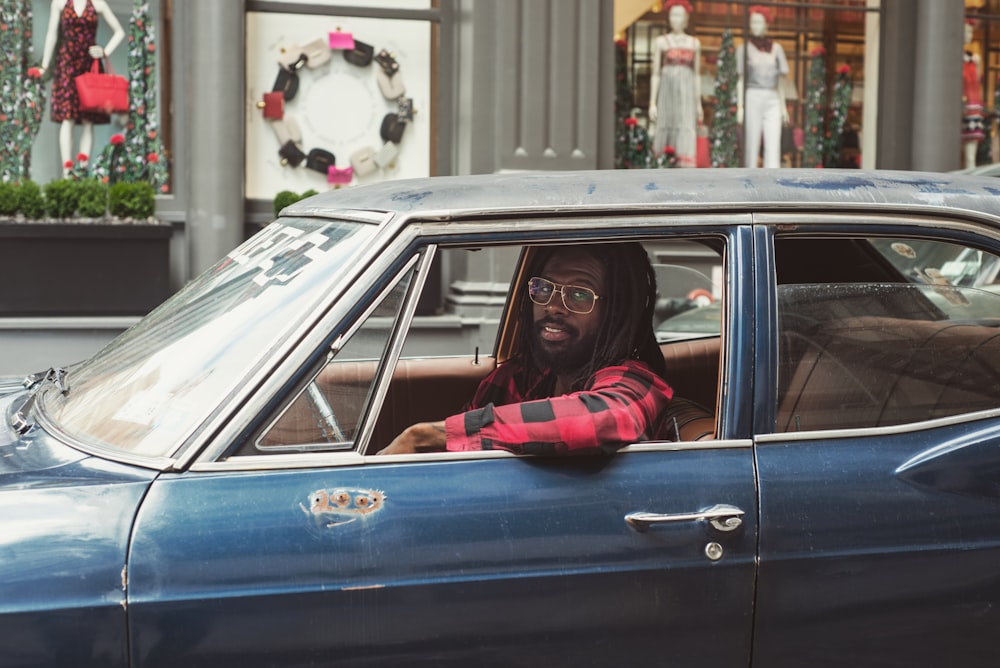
(879, 447)
(304, 558)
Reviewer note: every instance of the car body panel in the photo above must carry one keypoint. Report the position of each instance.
(65, 522)
(269, 567)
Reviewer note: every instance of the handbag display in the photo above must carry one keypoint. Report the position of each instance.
(361, 55)
(392, 128)
(339, 176)
(320, 160)
(102, 92)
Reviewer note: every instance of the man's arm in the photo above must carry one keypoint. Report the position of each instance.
(622, 404)
(422, 437)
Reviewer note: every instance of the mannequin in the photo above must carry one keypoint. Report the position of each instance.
(73, 27)
(675, 87)
(761, 64)
(973, 130)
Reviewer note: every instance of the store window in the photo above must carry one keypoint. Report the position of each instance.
(981, 84)
(134, 144)
(337, 100)
(695, 75)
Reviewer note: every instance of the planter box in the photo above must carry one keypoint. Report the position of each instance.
(77, 269)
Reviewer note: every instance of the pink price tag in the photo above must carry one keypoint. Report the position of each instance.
(338, 175)
(342, 40)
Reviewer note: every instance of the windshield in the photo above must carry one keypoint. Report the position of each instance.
(148, 390)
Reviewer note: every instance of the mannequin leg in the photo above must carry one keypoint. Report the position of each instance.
(86, 138)
(752, 119)
(66, 144)
(970, 153)
(772, 131)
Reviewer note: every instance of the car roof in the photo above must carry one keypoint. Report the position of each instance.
(451, 197)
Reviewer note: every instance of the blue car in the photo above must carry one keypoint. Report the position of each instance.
(204, 491)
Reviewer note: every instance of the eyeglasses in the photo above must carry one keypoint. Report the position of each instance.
(575, 298)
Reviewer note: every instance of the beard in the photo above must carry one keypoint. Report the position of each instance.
(563, 357)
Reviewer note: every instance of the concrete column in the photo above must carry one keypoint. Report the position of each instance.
(937, 93)
(213, 59)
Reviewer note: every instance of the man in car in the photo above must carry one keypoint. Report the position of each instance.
(589, 376)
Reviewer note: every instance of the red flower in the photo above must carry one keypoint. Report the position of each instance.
(631, 121)
(620, 43)
(34, 73)
(152, 134)
(818, 51)
(82, 157)
(669, 150)
(152, 158)
(844, 69)
(152, 47)
(117, 139)
(68, 164)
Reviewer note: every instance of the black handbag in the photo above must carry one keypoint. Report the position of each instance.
(320, 160)
(287, 83)
(392, 128)
(361, 55)
(291, 154)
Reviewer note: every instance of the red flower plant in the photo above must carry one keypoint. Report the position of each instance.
(82, 157)
(818, 51)
(152, 158)
(68, 164)
(669, 150)
(844, 69)
(35, 72)
(117, 139)
(631, 121)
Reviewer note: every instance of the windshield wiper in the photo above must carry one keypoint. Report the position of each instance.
(34, 383)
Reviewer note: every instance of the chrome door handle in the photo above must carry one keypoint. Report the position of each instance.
(721, 516)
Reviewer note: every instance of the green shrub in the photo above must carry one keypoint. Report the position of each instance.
(61, 198)
(30, 200)
(93, 201)
(8, 198)
(132, 200)
(283, 199)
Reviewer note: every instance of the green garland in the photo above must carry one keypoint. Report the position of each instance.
(813, 148)
(22, 97)
(723, 137)
(840, 101)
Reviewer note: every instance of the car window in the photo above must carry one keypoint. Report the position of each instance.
(920, 343)
(326, 415)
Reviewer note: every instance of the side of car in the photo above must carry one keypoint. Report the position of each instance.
(835, 504)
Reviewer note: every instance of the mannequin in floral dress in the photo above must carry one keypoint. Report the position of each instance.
(761, 65)
(675, 87)
(973, 129)
(73, 27)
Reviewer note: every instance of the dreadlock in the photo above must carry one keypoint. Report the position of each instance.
(626, 331)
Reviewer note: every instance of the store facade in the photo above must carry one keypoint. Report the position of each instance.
(482, 86)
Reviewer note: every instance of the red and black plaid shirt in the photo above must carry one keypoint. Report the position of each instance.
(514, 410)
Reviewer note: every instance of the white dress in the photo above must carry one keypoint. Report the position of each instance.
(677, 119)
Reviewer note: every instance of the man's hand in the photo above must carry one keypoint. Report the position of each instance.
(422, 437)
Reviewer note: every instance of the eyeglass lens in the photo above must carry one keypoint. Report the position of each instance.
(575, 298)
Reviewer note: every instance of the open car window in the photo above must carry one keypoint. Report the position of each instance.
(428, 383)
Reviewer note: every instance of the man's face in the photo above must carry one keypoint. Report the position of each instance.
(564, 340)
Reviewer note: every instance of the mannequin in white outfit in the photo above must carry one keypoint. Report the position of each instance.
(675, 87)
(64, 108)
(761, 64)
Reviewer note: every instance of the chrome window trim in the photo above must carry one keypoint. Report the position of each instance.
(281, 462)
(892, 430)
(934, 221)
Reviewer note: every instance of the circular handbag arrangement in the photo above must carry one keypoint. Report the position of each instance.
(364, 161)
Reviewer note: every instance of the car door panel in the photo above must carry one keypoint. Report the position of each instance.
(510, 561)
(860, 566)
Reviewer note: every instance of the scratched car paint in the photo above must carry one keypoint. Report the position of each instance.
(203, 491)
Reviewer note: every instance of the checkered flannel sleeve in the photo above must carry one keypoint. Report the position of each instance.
(620, 405)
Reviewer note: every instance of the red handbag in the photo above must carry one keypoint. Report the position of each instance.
(102, 92)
